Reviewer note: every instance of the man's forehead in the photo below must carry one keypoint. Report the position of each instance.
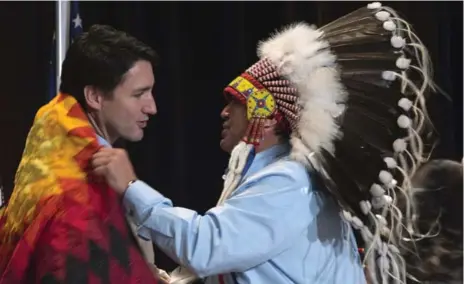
(138, 78)
(133, 86)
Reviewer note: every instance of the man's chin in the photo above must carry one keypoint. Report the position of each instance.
(225, 146)
(136, 137)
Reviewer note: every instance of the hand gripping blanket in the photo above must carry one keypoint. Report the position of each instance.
(61, 224)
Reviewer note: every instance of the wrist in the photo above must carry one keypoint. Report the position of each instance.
(126, 186)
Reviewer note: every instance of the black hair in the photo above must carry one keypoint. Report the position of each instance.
(100, 58)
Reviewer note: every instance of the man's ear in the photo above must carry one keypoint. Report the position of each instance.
(269, 126)
(93, 97)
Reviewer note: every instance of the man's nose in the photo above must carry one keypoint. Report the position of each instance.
(150, 108)
(225, 112)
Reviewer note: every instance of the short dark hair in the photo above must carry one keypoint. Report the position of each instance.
(100, 58)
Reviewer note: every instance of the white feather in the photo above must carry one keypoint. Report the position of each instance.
(303, 58)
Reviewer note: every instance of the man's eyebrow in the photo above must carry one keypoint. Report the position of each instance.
(142, 89)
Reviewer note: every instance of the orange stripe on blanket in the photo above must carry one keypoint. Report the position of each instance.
(76, 112)
(83, 132)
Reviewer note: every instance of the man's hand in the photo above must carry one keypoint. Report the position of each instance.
(160, 274)
(114, 165)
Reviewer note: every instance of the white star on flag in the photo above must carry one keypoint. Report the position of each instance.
(77, 21)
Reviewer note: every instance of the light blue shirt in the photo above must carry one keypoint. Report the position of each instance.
(275, 228)
(103, 142)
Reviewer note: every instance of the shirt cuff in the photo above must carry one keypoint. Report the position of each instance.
(139, 200)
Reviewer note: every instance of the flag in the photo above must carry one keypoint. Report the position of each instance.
(75, 29)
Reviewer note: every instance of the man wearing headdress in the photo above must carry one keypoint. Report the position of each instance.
(62, 224)
(324, 132)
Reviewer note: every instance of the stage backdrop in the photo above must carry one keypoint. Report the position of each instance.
(203, 46)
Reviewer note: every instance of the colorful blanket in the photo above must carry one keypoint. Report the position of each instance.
(61, 224)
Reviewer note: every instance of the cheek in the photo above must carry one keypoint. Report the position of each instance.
(240, 126)
(243, 126)
(243, 120)
(120, 115)
(238, 120)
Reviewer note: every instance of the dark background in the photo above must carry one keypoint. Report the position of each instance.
(202, 46)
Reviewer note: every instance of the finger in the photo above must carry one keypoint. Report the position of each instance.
(104, 152)
(107, 151)
(100, 161)
(100, 171)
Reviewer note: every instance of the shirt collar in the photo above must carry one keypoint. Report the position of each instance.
(268, 156)
(103, 142)
(264, 158)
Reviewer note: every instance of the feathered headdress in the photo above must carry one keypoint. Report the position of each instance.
(353, 96)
